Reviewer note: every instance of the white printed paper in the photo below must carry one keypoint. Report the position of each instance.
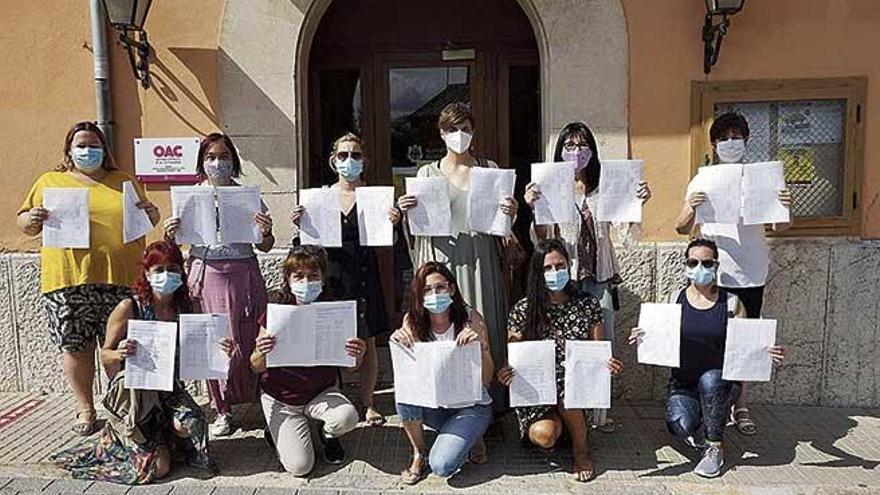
(723, 187)
(374, 226)
(746, 351)
(661, 341)
(761, 185)
(312, 334)
(437, 374)
(194, 206)
(432, 215)
(151, 367)
(201, 357)
(489, 187)
(556, 183)
(618, 200)
(67, 225)
(321, 223)
(236, 207)
(534, 378)
(587, 377)
(135, 221)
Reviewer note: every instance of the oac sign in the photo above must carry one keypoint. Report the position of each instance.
(166, 159)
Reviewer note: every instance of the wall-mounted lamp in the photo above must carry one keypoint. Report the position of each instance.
(128, 17)
(713, 34)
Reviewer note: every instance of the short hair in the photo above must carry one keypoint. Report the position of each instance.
(727, 121)
(700, 242)
(298, 258)
(67, 163)
(163, 252)
(216, 137)
(454, 114)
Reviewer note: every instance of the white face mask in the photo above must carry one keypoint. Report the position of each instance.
(458, 141)
(731, 151)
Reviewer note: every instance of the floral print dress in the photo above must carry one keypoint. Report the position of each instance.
(568, 321)
(126, 450)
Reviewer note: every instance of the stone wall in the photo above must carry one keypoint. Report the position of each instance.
(824, 292)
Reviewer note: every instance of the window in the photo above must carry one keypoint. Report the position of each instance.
(814, 127)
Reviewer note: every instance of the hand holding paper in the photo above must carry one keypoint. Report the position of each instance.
(747, 356)
(618, 199)
(321, 220)
(67, 223)
(373, 203)
(432, 214)
(556, 183)
(534, 378)
(587, 374)
(762, 183)
(489, 187)
(660, 341)
(135, 221)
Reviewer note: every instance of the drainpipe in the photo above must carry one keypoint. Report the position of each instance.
(101, 62)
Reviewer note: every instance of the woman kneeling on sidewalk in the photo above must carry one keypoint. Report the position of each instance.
(294, 395)
(555, 309)
(146, 429)
(698, 403)
(439, 314)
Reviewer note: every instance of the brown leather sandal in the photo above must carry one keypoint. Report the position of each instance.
(86, 423)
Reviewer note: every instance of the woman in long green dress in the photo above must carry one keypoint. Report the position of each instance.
(474, 258)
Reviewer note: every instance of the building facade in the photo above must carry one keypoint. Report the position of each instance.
(284, 77)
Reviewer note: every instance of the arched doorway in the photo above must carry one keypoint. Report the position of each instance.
(385, 68)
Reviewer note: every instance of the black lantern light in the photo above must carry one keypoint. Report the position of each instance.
(713, 33)
(129, 16)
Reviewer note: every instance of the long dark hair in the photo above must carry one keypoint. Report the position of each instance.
(537, 294)
(590, 174)
(419, 317)
(163, 253)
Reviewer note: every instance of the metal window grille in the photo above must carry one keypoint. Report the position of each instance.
(808, 137)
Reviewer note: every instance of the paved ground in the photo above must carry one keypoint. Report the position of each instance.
(801, 450)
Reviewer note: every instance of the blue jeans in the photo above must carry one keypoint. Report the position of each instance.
(705, 403)
(458, 430)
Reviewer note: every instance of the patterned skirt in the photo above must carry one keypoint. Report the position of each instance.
(119, 457)
(78, 314)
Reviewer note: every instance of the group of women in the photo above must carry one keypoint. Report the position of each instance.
(456, 295)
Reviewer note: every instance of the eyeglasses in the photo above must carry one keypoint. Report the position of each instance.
(693, 263)
(576, 146)
(437, 289)
(343, 155)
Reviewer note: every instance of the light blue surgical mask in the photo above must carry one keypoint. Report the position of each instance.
(87, 159)
(350, 169)
(166, 282)
(556, 280)
(700, 275)
(307, 292)
(437, 303)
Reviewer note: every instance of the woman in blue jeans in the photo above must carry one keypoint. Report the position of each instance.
(699, 400)
(439, 314)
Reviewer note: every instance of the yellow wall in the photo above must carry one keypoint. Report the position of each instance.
(46, 83)
(769, 39)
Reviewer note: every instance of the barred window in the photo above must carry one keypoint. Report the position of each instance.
(808, 137)
(814, 127)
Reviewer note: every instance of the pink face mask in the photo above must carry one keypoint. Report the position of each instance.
(580, 157)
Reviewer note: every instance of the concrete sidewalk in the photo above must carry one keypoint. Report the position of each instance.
(799, 450)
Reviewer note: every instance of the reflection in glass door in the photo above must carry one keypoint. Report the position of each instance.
(416, 95)
(339, 110)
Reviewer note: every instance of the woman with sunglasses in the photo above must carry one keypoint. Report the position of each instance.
(353, 270)
(439, 314)
(594, 267)
(555, 309)
(698, 401)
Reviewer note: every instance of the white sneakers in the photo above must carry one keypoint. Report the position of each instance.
(710, 463)
(222, 426)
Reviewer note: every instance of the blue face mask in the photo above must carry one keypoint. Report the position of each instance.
(87, 159)
(702, 275)
(350, 169)
(437, 303)
(166, 282)
(306, 292)
(556, 280)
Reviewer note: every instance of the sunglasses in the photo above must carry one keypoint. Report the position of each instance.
(693, 263)
(343, 155)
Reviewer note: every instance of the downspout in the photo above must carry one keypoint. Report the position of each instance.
(101, 62)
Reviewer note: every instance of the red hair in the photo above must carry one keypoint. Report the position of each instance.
(419, 317)
(162, 253)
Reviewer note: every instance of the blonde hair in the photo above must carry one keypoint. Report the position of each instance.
(348, 137)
